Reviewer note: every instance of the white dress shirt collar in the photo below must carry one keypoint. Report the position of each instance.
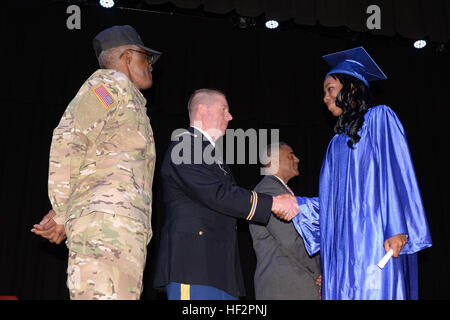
(206, 135)
(284, 184)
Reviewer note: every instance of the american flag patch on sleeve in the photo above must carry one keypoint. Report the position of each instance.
(104, 96)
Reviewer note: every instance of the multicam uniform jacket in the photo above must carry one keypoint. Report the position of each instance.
(102, 156)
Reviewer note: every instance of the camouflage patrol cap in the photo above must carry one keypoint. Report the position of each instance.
(119, 36)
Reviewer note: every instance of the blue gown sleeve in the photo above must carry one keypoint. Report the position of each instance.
(307, 223)
(402, 208)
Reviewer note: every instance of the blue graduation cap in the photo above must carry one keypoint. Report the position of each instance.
(355, 62)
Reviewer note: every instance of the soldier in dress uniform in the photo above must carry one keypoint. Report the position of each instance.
(102, 161)
(198, 255)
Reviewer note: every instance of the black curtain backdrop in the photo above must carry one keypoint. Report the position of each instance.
(408, 18)
(273, 79)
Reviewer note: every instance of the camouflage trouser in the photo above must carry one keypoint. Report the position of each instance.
(107, 257)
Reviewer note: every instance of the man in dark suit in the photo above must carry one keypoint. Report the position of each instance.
(284, 270)
(198, 255)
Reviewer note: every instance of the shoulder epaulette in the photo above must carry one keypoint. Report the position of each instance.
(186, 132)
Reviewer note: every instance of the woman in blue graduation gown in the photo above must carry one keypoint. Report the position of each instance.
(369, 201)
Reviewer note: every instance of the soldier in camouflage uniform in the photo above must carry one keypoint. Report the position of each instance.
(101, 169)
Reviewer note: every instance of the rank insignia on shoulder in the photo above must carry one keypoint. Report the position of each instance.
(186, 132)
(104, 96)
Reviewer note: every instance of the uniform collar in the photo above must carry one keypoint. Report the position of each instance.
(124, 82)
(138, 95)
(207, 136)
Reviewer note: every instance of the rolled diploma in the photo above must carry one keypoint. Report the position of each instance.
(385, 259)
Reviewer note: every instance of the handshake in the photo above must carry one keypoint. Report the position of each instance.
(285, 206)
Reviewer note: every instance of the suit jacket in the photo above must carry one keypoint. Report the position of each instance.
(202, 201)
(284, 270)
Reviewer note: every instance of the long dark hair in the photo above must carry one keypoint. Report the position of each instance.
(355, 100)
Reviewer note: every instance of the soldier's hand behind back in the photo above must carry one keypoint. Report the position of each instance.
(48, 229)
